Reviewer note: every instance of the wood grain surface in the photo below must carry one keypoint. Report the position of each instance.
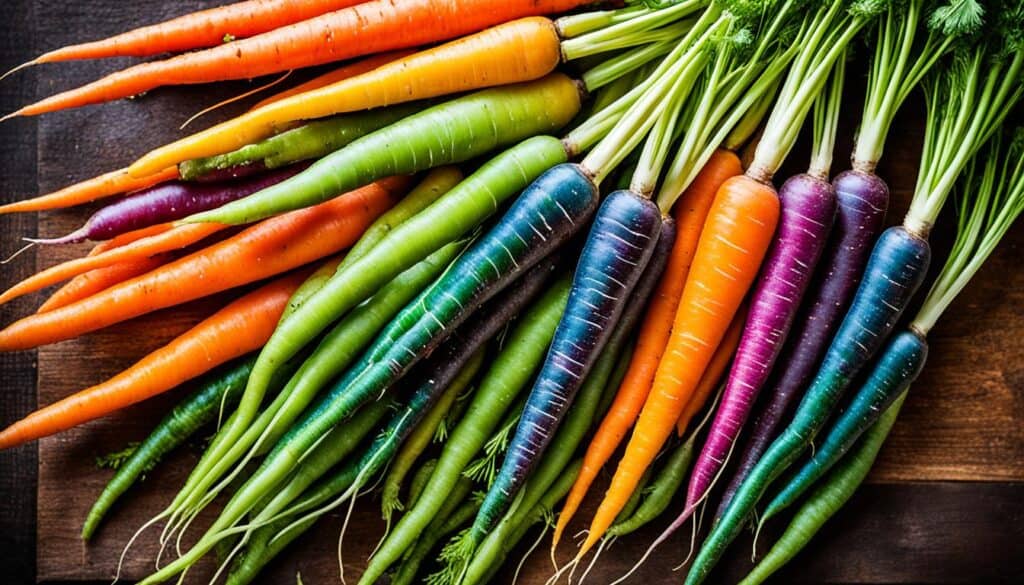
(946, 504)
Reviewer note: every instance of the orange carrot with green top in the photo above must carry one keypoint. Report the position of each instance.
(368, 28)
(239, 328)
(107, 185)
(271, 247)
(690, 213)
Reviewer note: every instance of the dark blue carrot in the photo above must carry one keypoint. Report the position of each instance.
(167, 202)
(620, 244)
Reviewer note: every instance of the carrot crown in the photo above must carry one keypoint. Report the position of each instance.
(991, 199)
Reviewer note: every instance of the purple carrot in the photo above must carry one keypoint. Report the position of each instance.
(167, 202)
(862, 199)
(808, 208)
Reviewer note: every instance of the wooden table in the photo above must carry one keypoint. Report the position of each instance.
(945, 503)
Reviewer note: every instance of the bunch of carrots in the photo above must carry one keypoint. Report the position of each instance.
(508, 238)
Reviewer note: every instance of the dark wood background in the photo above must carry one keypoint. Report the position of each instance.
(945, 503)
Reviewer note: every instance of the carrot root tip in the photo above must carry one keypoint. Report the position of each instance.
(24, 65)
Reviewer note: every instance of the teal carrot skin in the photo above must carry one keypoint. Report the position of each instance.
(544, 216)
(453, 361)
(663, 489)
(449, 218)
(312, 140)
(523, 351)
(452, 132)
(335, 446)
(827, 499)
(201, 407)
(441, 369)
(455, 512)
(897, 367)
(895, 270)
(335, 351)
(621, 242)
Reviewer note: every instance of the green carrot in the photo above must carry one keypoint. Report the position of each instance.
(511, 370)
(452, 132)
(335, 351)
(217, 390)
(312, 140)
(827, 499)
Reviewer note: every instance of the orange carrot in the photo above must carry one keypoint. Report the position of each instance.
(237, 329)
(372, 27)
(271, 247)
(712, 375)
(336, 75)
(206, 28)
(129, 237)
(735, 239)
(92, 282)
(112, 183)
(164, 240)
(690, 213)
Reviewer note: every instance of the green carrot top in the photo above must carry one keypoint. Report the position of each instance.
(967, 100)
(735, 87)
(826, 122)
(991, 198)
(901, 59)
(627, 121)
(823, 37)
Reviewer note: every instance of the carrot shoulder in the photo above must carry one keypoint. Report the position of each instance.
(271, 247)
(239, 328)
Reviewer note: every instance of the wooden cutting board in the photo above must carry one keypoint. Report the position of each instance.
(917, 522)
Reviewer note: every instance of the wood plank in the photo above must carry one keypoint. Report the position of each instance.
(972, 533)
(17, 370)
(962, 423)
